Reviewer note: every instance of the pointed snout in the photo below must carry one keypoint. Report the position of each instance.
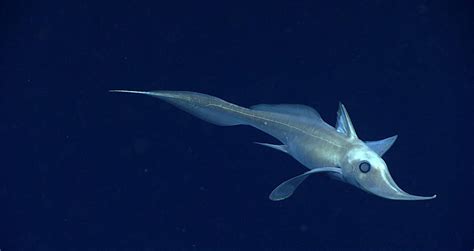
(394, 192)
(386, 187)
(406, 196)
(399, 194)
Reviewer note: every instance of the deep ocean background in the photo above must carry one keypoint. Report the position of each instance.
(82, 167)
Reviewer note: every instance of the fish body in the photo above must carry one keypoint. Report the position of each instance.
(305, 136)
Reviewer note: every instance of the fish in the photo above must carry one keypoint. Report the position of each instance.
(304, 135)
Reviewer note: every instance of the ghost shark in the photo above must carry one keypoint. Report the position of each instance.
(306, 137)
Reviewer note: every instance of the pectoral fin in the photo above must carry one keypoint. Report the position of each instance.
(286, 189)
(282, 148)
(381, 146)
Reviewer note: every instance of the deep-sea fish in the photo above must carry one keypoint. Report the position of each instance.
(306, 137)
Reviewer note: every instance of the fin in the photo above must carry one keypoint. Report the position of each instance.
(282, 148)
(381, 146)
(289, 109)
(286, 189)
(344, 124)
(337, 176)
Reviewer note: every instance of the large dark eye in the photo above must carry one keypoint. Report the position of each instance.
(364, 167)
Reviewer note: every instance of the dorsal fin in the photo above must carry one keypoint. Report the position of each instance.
(344, 124)
(289, 109)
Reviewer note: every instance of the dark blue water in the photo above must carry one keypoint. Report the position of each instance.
(82, 167)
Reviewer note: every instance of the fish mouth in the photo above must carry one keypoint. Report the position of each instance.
(387, 188)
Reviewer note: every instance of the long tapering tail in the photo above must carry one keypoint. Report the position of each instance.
(206, 107)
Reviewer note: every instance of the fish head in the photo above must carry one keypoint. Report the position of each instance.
(366, 170)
